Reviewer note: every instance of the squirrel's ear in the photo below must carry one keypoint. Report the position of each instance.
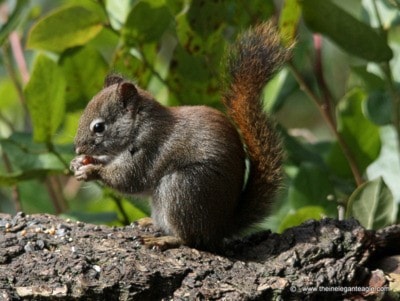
(127, 92)
(112, 79)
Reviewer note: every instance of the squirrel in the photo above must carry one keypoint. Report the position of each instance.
(191, 160)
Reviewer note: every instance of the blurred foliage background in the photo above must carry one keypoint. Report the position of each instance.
(337, 102)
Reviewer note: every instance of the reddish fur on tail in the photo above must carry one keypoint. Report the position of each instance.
(251, 62)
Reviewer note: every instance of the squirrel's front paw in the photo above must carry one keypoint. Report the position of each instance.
(76, 163)
(87, 172)
(84, 171)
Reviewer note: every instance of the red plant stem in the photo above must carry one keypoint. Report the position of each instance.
(330, 121)
(319, 74)
(18, 53)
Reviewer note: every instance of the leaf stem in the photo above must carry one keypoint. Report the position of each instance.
(151, 67)
(118, 202)
(52, 149)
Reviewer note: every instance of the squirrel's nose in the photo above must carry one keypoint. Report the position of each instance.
(77, 150)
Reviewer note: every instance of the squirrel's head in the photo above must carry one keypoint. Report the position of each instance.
(107, 126)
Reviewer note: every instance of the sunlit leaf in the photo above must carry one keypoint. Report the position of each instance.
(65, 28)
(288, 21)
(45, 95)
(360, 135)
(92, 75)
(300, 216)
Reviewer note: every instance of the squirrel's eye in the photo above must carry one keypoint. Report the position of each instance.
(98, 126)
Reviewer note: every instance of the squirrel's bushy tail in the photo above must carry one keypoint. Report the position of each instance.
(251, 62)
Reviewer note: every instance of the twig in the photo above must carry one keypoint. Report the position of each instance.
(151, 67)
(16, 196)
(54, 197)
(319, 74)
(118, 201)
(325, 113)
(57, 187)
(53, 183)
(17, 84)
(52, 149)
(18, 53)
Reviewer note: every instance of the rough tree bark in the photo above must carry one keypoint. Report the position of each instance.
(43, 257)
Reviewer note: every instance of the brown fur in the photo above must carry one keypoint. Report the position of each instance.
(190, 160)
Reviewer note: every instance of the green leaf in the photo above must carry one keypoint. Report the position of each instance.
(193, 66)
(65, 28)
(45, 95)
(352, 35)
(68, 129)
(372, 205)
(378, 107)
(21, 8)
(24, 154)
(206, 17)
(288, 21)
(311, 187)
(278, 90)
(300, 216)
(147, 22)
(16, 177)
(8, 94)
(118, 12)
(387, 165)
(192, 79)
(298, 152)
(84, 70)
(370, 80)
(360, 135)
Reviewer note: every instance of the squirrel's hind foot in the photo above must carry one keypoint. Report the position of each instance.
(160, 243)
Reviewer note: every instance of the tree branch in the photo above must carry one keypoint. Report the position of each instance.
(78, 261)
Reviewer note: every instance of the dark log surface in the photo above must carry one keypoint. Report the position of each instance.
(44, 257)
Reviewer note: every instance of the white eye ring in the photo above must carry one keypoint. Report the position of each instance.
(98, 126)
